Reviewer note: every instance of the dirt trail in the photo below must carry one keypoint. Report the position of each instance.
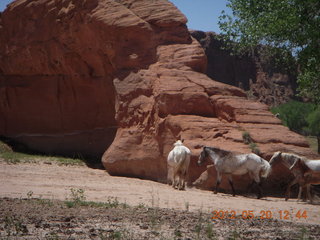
(54, 182)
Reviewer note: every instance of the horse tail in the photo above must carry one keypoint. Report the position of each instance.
(266, 168)
(183, 159)
(182, 165)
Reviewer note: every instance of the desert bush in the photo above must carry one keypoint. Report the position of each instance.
(294, 115)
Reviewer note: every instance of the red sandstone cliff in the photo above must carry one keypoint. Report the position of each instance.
(263, 79)
(123, 77)
(58, 60)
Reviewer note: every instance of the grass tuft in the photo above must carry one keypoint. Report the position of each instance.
(10, 156)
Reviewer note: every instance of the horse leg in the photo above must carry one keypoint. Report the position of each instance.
(305, 193)
(259, 183)
(302, 189)
(250, 184)
(259, 190)
(308, 193)
(289, 188)
(300, 192)
(231, 184)
(184, 177)
(181, 181)
(219, 176)
(174, 182)
(169, 176)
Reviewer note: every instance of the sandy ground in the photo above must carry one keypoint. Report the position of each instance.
(54, 182)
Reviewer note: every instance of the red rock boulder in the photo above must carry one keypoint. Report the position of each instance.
(124, 79)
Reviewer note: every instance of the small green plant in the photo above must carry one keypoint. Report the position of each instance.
(211, 234)
(70, 204)
(254, 148)
(247, 139)
(66, 161)
(155, 220)
(177, 234)
(141, 205)
(5, 148)
(234, 235)
(112, 202)
(46, 202)
(199, 225)
(78, 198)
(187, 205)
(77, 195)
(52, 236)
(11, 158)
(115, 235)
(29, 194)
(14, 226)
(304, 234)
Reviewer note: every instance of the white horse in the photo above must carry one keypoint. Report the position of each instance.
(287, 160)
(309, 173)
(178, 163)
(231, 164)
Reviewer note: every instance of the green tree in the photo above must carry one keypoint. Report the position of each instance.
(300, 117)
(314, 124)
(294, 115)
(282, 25)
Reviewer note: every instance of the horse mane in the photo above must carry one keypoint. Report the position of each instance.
(286, 158)
(221, 152)
(275, 157)
(294, 156)
(277, 154)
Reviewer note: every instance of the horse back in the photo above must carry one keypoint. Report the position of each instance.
(314, 165)
(178, 154)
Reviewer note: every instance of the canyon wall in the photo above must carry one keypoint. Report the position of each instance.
(261, 76)
(123, 80)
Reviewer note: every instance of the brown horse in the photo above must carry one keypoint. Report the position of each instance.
(287, 160)
(310, 173)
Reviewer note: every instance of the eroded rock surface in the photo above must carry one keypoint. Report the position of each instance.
(58, 60)
(124, 77)
(260, 76)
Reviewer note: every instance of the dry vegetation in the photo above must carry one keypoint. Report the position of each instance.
(78, 219)
(33, 217)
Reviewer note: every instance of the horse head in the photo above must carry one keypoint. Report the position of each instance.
(275, 158)
(203, 156)
(178, 143)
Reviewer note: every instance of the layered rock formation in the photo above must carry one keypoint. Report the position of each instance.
(259, 76)
(123, 76)
(58, 61)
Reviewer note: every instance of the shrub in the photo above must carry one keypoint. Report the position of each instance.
(294, 115)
